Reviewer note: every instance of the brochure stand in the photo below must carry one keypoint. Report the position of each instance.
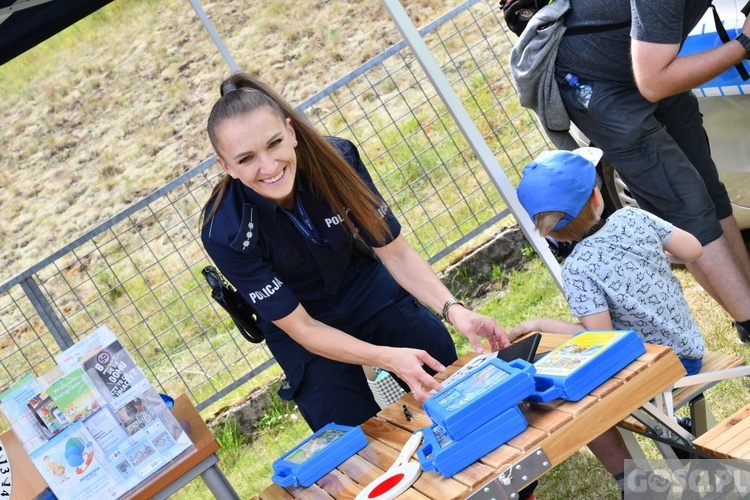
(94, 426)
(199, 460)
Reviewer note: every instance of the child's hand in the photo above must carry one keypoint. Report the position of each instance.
(531, 325)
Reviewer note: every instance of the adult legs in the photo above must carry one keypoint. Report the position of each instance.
(407, 323)
(736, 242)
(720, 274)
(681, 116)
(665, 181)
(329, 391)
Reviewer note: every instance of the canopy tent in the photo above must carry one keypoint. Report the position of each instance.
(26, 23)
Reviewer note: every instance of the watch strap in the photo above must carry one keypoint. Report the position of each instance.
(724, 37)
(745, 41)
(447, 306)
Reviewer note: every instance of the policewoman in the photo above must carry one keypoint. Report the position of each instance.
(298, 227)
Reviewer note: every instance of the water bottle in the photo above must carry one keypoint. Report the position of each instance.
(583, 90)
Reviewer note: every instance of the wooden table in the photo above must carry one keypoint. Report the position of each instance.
(556, 430)
(198, 460)
(729, 439)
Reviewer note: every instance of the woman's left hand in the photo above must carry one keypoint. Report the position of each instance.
(474, 326)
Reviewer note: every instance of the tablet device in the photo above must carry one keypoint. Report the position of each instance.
(524, 349)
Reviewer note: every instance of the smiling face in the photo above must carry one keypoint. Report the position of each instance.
(258, 149)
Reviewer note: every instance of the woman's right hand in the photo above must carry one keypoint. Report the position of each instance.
(404, 362)
(408, 364)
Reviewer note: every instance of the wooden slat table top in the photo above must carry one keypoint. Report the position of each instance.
(728, 439)
(712, 361)
(559, 427)
(27, 482)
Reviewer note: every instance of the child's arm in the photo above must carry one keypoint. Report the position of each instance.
(544, 325)
(682, 247)
(598, 321)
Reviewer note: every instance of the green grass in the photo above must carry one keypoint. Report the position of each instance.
(247, 461)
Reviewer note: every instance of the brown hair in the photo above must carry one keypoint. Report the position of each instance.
(331, 178)
(575, 230)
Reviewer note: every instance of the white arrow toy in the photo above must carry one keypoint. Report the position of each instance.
(399, 477)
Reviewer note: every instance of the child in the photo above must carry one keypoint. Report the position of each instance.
(619, 277)
(616, 278)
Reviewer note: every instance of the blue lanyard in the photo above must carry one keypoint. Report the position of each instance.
(305, 225)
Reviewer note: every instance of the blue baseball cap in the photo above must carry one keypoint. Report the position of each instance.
(559, 181)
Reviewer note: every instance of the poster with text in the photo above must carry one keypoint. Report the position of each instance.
(115, 374)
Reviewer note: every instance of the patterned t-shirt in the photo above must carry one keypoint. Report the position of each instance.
(622, 268)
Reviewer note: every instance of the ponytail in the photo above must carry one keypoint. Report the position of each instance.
(331, 178)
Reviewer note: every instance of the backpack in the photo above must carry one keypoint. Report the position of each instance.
(517, 13)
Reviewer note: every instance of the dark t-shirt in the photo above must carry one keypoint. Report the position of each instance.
(606, 55)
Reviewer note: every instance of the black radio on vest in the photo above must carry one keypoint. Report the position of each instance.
(517, 13)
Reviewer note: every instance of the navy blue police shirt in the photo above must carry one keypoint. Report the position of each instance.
(276, 267)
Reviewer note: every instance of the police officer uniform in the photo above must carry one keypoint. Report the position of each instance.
(280, 258)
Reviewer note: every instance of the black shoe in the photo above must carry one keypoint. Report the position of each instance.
(687, 424)
(742, 333)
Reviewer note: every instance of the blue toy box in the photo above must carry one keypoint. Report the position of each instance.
(479, 396)
(447, 456)
(583, 362)
(318, 455)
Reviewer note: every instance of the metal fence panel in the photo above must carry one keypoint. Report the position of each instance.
(414, 149)
(140, 273)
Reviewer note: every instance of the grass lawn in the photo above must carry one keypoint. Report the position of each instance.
(527, 294)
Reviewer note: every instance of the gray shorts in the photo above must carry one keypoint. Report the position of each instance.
(661, 152)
